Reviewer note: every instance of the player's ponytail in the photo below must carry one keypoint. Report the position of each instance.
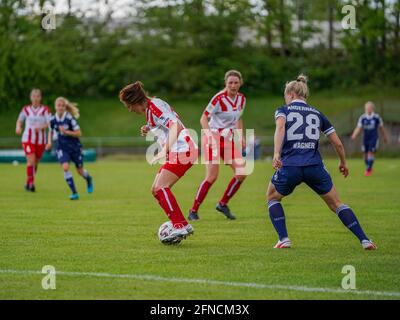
(298, 87)
(70, 106)
(133, 93)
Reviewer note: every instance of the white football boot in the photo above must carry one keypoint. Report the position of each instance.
(189, 229)
(368, 245)
(284, 244)
(179, 234)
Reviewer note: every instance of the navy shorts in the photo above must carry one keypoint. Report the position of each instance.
(68, 155)
(316, 177)
(370, 146)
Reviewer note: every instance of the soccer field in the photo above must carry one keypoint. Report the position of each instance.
(105, 246)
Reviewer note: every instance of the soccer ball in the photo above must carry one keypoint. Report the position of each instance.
(164, 231)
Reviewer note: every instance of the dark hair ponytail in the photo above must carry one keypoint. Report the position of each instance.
(133, 93)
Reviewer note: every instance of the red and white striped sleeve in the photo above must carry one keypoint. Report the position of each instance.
(162, 114)
(23, 114)
(214, 105)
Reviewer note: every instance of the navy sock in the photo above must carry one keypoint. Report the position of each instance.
(347, 216)
(70, 180)
(277, 216)
(370, 163)
(86, 175)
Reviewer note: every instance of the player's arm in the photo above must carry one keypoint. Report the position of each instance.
(339, 148)
(175, 129)
(204, 121)
(75, 132)
(384, 133)
(18, 127)
(211, 108)
(355, 133)
(240, 127)
(49, 139)
(278, 142)
(72, 133)
(240, 124)
(20, 122)
(144, 130)
(357, 130)
(204, 125)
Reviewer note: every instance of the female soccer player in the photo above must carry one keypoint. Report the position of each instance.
(69, 148)
(178, 148)
(222, 115)
(36, 117)
(297, 159)
(370, 122)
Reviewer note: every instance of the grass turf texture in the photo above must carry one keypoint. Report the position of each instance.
(114, 231)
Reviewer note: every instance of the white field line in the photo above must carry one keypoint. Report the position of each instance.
(207, 282)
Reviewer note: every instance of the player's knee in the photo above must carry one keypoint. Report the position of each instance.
(31, 161)
(241, 178)
(212, 178)
(65, 167)
(334, 204)
(155, 189)
(273, 197)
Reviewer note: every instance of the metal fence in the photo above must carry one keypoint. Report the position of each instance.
(344, 124)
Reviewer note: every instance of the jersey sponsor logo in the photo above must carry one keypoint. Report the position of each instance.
(302, 108)
(165, 121)
(369, 125)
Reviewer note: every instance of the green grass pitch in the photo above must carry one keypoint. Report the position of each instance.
(114, 230)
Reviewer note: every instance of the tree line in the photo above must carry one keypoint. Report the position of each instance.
(182, 48)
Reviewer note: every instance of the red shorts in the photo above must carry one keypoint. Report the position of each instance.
(36, 149)
(179, 163)
(219, 146)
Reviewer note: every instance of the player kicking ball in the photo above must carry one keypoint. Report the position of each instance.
(297, 159)
(69, 147)
(178, 148)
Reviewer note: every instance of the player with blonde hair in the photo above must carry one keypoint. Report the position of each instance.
(69, 147)
(370, 123)
(297, 159)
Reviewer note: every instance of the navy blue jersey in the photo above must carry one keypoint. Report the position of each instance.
(370, 125)
(302, 133)
(69, 123)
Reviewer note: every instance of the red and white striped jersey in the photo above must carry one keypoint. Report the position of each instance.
(223, 112)
(159, 117)
(35, 119)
